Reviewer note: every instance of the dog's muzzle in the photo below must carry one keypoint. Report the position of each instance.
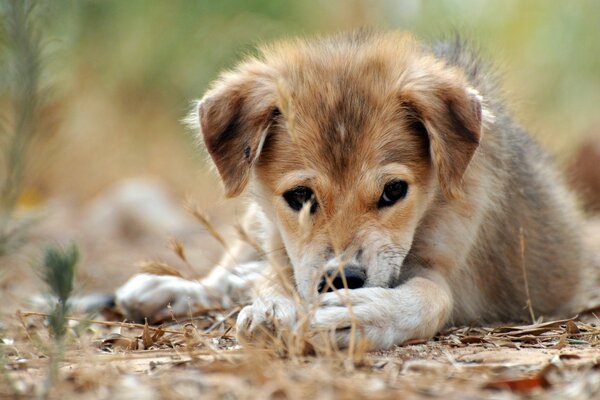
(355, 279)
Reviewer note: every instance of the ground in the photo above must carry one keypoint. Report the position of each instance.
(105, 358)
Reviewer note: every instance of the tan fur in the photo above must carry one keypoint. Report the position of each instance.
(344, 115)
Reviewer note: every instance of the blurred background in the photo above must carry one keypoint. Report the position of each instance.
(111, 165)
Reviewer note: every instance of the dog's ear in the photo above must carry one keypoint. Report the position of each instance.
(234, 119)
(451, 113)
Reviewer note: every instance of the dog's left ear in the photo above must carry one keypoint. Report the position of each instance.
(451, 113)
(234, 119)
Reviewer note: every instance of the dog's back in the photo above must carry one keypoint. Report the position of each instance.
(528, 246)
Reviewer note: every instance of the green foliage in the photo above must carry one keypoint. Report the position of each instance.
(24, 72)
(22, 51)
(58, 272)
(166, 52)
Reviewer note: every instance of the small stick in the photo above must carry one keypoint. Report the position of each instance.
(106, 323)
(222, 320)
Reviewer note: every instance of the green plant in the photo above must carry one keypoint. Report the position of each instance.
(58, 272)
(21, 75)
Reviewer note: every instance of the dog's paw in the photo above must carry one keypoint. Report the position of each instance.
(382, 317)
(368, 315)
(266, 318)
(161, 297)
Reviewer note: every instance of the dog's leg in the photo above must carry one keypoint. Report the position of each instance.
(417, 309)
(160, 297)
(274, 310)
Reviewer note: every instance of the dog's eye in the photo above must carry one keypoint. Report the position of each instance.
(392, 192)
(297, 196)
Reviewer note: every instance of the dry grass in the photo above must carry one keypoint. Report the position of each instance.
(200, 356)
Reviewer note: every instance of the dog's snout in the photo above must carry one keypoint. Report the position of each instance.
(355, 279)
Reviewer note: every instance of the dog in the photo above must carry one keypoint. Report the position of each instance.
(390, 190)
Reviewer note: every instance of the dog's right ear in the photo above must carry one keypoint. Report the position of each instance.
(234, 119)
(452, 115)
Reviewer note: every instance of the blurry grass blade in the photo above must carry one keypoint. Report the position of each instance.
(158, 268)
(246, 238)
(203, 219)
(23, 56)
(24, 62)
(59, 271)
(12, 234)
(177, 247)
(528, 304)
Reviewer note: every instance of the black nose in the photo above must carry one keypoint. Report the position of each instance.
(355, 278)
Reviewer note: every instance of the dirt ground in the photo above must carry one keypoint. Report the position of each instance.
(200, 357)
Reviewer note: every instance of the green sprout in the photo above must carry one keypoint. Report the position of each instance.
(59, 273)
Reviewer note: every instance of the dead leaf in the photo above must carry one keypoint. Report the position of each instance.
(147, 338)
(158, 333)
(118, 341)
(532, 329)
(569, 357)
(414, 342)
(473, 339)
(572, 328)
(519, 385)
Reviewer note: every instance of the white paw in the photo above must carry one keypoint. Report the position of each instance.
(161, 297)
(382, 317)
(265, 318)
(359, 315)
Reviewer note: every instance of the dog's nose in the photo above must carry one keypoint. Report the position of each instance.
(355, 278)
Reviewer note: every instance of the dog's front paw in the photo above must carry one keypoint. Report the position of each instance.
(382, 317)
(160, 297)
(369, 315)
(266, 318)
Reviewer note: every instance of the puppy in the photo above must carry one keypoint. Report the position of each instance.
(390, 190)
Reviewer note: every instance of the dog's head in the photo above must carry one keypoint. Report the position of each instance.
(345, 143)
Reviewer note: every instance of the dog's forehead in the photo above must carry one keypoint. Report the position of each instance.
(343, 137)
(343, 128)
(341, 114)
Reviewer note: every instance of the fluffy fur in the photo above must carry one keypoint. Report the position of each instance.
(486, 226)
